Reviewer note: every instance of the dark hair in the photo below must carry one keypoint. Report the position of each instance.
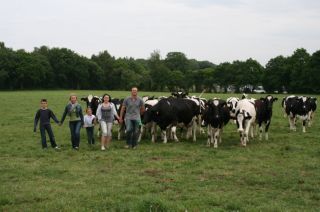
(43, 100)
(106, 95)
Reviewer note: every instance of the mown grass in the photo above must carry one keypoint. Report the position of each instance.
(281, 174)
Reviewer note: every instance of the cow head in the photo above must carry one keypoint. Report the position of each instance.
(232, 103)
(241, 118)
(92, 102)
(180, 94)
(268, 101)
(305, 104)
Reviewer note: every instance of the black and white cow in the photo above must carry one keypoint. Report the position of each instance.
(297, 107)
(216, 116)
(245, 116)
(283, 103)
(264, 113)
(313, 108)
(122, 126)
(92, 102)
(170, 112)
(232, 103)
(152, 126)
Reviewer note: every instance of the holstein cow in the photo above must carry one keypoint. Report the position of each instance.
(92, 102)
(169, 113)
(297, 107)
(217, 115)
(200, 103)
(283, 103)
(313, 108)
(151, 125)
(245, 116)
(232, 103)
(264, 113)
(122, 126)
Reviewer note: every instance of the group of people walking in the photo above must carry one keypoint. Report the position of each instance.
(130, 114)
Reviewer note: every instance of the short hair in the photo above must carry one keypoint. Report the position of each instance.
(106, 95)
(88, 108)
(73, 94)
(44, 100)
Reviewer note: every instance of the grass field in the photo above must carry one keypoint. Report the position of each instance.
(282, 174)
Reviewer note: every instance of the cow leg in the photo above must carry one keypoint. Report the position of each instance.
(246, 132)
(260, 130)
(267, 129)
(119, 131)
(292, 123)
(143, 129)
(153, 132)
(209, 134)
(194, 130)
(220, 135)
(304, 121)
(242, 139)
(252, 129)
(164, 134)
(174, 133)
(215, 137)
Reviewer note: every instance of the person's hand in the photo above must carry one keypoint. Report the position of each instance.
(120, 120)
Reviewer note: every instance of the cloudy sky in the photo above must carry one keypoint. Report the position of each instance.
(214, 30)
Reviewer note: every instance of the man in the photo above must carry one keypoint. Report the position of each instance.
(134, 107)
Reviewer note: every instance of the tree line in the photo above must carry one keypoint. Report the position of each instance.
(62, 68)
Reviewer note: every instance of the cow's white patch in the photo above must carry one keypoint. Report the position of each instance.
(304, 99)
(216, 102)
(90, 97)
(269, 98)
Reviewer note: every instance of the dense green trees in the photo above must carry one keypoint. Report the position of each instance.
(61, 68)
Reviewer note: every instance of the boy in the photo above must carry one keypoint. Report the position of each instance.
(44, 114)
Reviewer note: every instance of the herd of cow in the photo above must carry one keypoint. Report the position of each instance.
(191, 114)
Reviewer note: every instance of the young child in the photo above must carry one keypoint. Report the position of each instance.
(89, 121)
(44, 114)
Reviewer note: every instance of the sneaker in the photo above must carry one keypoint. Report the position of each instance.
(76, 148)
(57, 148)
(135, 147)
(126, 146)
(103, 148)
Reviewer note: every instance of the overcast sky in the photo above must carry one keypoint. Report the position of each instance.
(216, 30)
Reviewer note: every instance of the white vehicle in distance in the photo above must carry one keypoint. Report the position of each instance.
(259, 89)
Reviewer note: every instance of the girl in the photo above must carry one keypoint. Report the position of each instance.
(74, 111)
(89, 122)
(105, 114)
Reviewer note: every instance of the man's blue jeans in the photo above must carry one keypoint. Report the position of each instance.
(133, 130)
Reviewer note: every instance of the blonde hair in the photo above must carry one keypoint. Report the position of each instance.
(71, 95)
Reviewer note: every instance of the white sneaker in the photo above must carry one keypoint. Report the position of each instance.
(103, 148)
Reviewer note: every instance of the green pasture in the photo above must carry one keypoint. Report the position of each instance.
(282, 174)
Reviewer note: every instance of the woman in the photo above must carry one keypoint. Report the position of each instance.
(74, 111)
(105, 114)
